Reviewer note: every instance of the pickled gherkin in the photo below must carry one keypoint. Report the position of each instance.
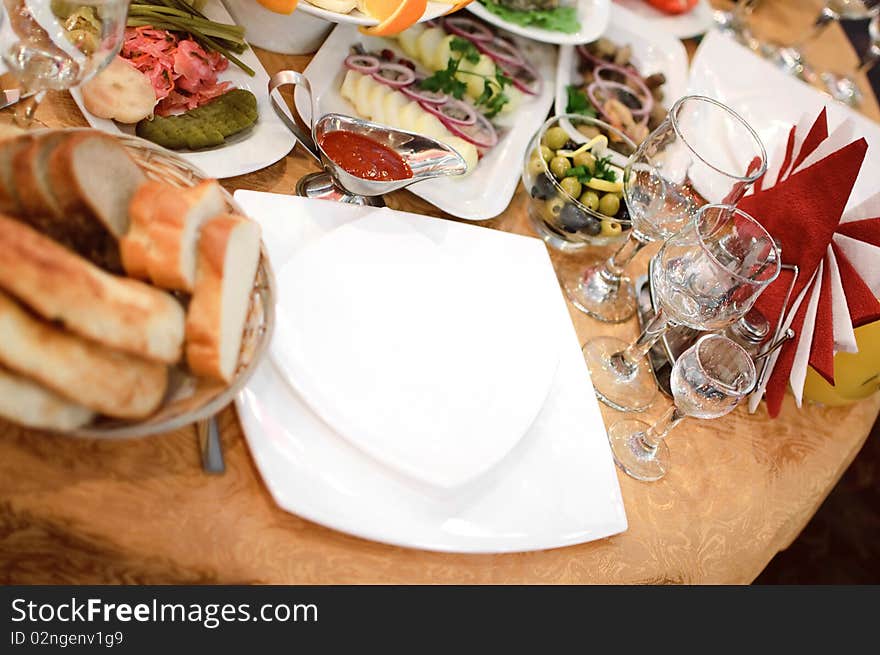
(205, 126)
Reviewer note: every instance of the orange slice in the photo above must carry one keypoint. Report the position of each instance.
(279, 6)
(457, 6)
(394, 16)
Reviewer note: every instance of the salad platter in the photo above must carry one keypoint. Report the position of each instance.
(549, 21)
(655, 68)
(456, 81)
(256, 139)
(693, 20)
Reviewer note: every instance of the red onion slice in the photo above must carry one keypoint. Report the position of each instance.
(394, 75)
(647, 99)
(364, 64)
(468, 28)
(596, 87)
(501, 51)
(524, 77)
(452, 112)
(423, 95)
(482, 134)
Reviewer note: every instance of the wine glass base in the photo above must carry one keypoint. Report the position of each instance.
(611, 302)
(552, 239)
(842, 89)
(630, 390)
(632, 457)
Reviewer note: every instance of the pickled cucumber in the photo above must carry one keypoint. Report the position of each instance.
(205, 126)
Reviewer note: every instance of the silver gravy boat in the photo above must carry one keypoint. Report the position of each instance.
(426, 157)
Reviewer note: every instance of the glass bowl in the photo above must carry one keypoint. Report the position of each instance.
(560, 218)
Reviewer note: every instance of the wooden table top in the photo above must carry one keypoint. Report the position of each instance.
(741, 488)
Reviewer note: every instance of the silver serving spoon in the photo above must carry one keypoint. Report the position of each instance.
(426, 157)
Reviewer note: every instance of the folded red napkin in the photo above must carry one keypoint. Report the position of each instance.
(802, 203)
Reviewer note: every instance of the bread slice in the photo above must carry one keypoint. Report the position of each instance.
(108, 381)
(229, 251)
(162, 240)
(61, 286)
(27, 403)
(9, 150)
(91, 173)
(32, 177)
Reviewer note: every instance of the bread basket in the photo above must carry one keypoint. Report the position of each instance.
(190, 399)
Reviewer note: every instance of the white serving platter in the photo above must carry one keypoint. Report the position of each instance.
(357, 17)
(697, 21)
(653, 50)
(557, 486)
(484, 193)
(258, 147)
(592, 14)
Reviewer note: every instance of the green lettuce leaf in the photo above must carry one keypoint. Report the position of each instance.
(561, 19)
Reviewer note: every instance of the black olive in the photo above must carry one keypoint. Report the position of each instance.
(593, 226)
(543, 188)
(572, 218)
(623, 216)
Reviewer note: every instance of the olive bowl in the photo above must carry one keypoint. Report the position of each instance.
(562, 220)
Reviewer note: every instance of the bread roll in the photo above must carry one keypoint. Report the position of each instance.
(27, 403)
(108, 381)
(62, 286)
(229, 251)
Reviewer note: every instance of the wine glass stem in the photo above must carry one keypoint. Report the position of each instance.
(651, 438)
(628, 360)
(744, 9)
(27, 107)
(617, 263)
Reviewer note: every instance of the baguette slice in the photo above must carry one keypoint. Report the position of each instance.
(27, 403)
(92, 174)
(31, 175)
(110, 382)
(161, 243)
(9, 150)
(229, 251)
(61, 286)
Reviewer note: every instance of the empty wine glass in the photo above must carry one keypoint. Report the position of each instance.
(844, 87)
(791, 58)
(705, 277)
(58, 44)
(735, 21)
(708, 380)
(702, 152)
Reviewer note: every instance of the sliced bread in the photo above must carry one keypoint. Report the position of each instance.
(92, 173)
(32, 178)
(229, 251)
(61, 286)
(162, 240)
(108, 381)
(9, 150)
(27, 403)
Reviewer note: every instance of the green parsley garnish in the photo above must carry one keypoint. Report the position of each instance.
(578, 102)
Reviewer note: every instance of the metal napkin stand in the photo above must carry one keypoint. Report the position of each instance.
(679, 338)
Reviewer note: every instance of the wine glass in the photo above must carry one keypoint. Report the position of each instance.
(791, 58)
(735, 21)
(843, 87)
(58, 44)
(708, 380)
(705, 277)
(702, 152)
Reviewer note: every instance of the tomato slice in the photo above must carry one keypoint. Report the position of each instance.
(673, 6)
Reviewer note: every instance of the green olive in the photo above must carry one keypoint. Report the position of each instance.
(585, 159)
(610, 228)
(559, 166)
(535, 166)
(590, 200)
(609, 204)
(571, 186)
(555, 138)
(546, 153)
(554, 206)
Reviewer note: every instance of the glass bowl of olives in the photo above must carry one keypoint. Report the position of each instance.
(573, 173)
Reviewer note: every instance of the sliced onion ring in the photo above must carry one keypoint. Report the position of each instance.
(481, 134)
(501, 51)
(524, 77)
(423, 95)
(468, 28)
(452, 112)
(646, 98)
(364, 64)
(394, 75)
(605, 86)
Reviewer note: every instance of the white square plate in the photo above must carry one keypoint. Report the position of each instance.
(556, 487)
(258, 147)
(484, 193)
(653, 50)
(682, 26)
(592, 14)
